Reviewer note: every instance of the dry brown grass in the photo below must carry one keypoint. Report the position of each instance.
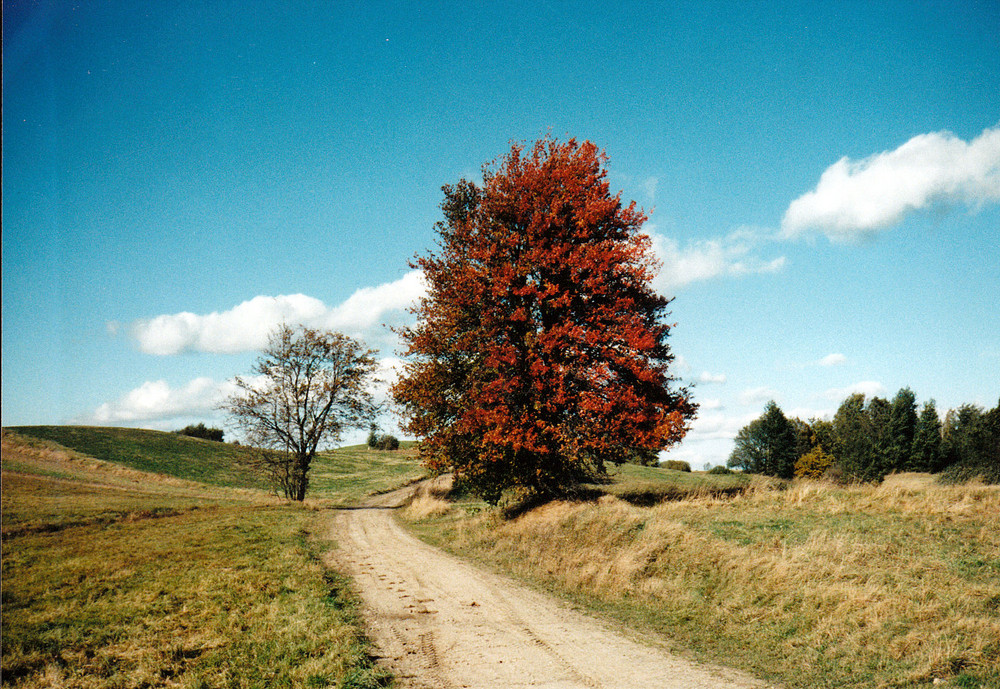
(430, 499)
(816, 585)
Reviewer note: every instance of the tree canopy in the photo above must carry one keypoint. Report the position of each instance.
(309, 386)
(540, 351)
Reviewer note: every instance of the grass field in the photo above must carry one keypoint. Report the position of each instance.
(807, 584)
(175, 455)
(116, 577)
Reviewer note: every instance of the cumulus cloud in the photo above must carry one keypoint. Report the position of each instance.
(854, 199)
(755, 396)
(707, 377)
(246, 326)
(729, 256)
(869, 388)
(835, 359)
(710, 440)
(158, 401)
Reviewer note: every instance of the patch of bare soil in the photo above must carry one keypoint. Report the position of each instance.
(442, 623)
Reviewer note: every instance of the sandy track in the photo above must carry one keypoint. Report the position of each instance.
(442, 623)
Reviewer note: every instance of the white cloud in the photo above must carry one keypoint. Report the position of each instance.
(649, 186)
(858, 198)
(869, 388)
(156, 404)
(157, 401)
(681, 364)
(709, 404)
(729, 256)
(707, 377)
(835, 359)
(246, 326)
(755, 396)
(717, 426)
(710, 440)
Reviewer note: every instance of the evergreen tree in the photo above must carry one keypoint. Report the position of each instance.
(766, 445)
(926, 451)
(958, 444)
(852, 432)
(879, 413)
(902, 429)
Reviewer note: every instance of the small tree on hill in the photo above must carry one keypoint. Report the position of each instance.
(309, 387)
(540, 352)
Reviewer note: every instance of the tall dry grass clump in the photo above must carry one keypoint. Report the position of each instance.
(430, 498)
(814, 585)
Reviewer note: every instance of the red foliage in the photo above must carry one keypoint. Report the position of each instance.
(541, 349)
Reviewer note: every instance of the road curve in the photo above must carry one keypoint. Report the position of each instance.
(442, 623)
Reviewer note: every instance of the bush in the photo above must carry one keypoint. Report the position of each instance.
(388, 442)
(676, 465)
(721, 470)
(382, 442)
(200, 431)
(813, 464)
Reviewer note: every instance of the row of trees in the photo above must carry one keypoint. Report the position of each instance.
(870, 438)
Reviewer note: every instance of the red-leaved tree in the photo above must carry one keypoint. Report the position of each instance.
(540, 351)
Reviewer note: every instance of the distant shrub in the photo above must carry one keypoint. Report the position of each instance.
(813, 464)
(378, 441)
(721, 470)
(676, 465)
(388, 442)
(200, 431)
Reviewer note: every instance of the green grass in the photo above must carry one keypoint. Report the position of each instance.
(342, 476)
(154, 451)
(114, 577)
(215, 597)
(347, 475)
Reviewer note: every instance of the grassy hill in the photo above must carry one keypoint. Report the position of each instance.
(156, 452)
(190, 576)
(340, 476)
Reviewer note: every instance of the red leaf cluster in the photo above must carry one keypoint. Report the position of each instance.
(541, 349)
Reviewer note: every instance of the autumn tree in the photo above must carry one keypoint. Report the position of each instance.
(540, 351)
(308, 387)
(813, 464)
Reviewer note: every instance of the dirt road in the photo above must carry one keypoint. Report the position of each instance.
(442, 623)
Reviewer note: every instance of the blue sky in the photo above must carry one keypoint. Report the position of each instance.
(822, 182)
